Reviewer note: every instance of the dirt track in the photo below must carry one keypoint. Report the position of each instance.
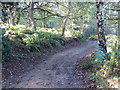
(57, 70)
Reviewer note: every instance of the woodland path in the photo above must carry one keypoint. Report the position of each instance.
(57, 70)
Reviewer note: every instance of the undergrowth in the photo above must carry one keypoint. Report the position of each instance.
(105, 66)
(23, 38)
(107, 69)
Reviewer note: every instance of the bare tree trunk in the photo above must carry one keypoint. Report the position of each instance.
(31, 17)
(66, 19)
(11, 18)
(18, 18)
(100, 24)
(64, 26)
(118, 22)
(82, 26)
(118, 32)
(44, 21)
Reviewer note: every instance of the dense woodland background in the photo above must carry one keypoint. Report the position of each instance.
(36, 26)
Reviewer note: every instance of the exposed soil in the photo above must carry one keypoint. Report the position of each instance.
(52, 69)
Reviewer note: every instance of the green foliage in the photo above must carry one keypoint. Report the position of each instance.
(88, 65)
(22, 37)
(93, 37)
(99, 80)
(90, 62)
(41, 39)
(100, 56)
(107, 64)
(77, 35)
(90, 32)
